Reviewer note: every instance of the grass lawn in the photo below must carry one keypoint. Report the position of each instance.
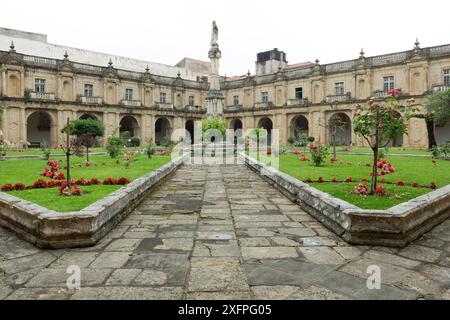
(28, 170)
(408, 169)
(392, 150)
(38, 152)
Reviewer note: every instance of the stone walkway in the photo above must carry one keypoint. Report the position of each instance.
(221, 232)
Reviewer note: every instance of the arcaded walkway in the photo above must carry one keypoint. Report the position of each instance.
(221, 232)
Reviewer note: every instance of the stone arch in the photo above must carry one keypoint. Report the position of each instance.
(235, 125)
(267, 124)
(163, 130)
(14, 85)
(189, 126)
(442, 133)
(342, 123)
(39, 129)
(299, 126)
(131, 125)
(86, 116)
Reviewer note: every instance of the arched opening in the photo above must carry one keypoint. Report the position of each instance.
(190, 129)
(13, 86)
(88, 116)
(299, 126)
(39, 129)
(236, 125)
(267, 124)
(340, 129)
(442, 133)
(398, 140)
(163, 131)
(129, 127)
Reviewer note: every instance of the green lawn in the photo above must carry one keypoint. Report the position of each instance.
(38, 152)
(28, 170)
(408, 169)
(392, 150)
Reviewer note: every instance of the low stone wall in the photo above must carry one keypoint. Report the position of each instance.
(50, 229)
(394, 227)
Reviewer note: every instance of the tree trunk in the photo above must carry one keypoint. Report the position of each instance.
(87, 154)
(68, 169)
(374, 171)
(431, 137)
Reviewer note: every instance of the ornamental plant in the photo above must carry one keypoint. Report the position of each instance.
(319, 154)
(378, 123)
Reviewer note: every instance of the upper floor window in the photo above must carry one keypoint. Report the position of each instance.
(339, 88)
(235, 100)
(39, 85)
(388, 83)
(88, 90)
(129, 94)
(191, 101)
(162, 97)
(264, 97)
(447, 77)
(298, 93)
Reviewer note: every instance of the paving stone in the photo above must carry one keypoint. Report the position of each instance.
(216, 249)
(41, 294)
(348, 253)
(17, 265)
(80, 259)
(396, 276)
(110, 260)
(11, 248)
(321, 255)
(129, 293)
(318, 241)
(48, 278)
(421, 253)
(123, 277)
(216, 274)
(438, 273)
(125, 245)
(268, 252)
(301, 232)
(151, 278)
(273, 292)
(283, 242)
(391, 258)
(317, 293)
(229, 295)
(254, 242)
(216, 235)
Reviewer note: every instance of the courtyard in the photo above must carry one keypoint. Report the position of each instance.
(221, 232)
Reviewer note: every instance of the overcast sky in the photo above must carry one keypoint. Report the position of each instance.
(165, 31)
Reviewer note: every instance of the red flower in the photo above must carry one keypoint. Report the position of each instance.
(108, 181)
(122, 181)
(349, 179)
(7, 187)
(368, 165)
(361, 190)
(19, 186)
(39, 184)
(309, 180)
(95, 181)
(394, 93)
(60, 176)
(400, 183)
(334, 179)
(433, 186)
(383, 181)
(321, 179)
(414, 185)
(365, 181)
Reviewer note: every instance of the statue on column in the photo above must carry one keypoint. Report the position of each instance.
(214, 35)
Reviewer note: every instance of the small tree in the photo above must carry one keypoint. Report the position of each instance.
(379, 124)
(336, 122)
(437, 112)
(87, 132)
(215, 123)
(70, 148)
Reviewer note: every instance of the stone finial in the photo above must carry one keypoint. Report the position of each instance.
(147, 69)
(12, 47)
(417, 44)
(110, 63)
(361, 54)
(179, 74)
(317, 61)
(66, 56)
(248, 74)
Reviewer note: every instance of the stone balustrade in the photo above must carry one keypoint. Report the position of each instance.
(440, 87)
(338, 98)
(42, 96)
(381, 94)
(91, 100)
(263, 105)
(165, 106)
(298, 102)
(131, 103)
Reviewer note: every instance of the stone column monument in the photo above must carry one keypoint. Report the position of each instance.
(215, 98)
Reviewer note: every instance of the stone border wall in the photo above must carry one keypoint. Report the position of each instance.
(395, 227)
(54, 230)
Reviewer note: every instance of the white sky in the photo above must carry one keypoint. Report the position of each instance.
(165, 31)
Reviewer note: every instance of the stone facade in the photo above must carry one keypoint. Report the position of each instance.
(296, 98)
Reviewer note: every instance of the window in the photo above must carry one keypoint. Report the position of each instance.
(298, 93)
(39, 85)
(264, 97)
(129, 94)
(235, 100)
(388, 83)
(162, 97)
(88, 90)
(191, 101)
(447, 77)
(339, 88)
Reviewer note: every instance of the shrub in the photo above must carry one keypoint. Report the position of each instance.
(114, 147)
(361, 190)
(380, 191)
(19, 186)
(349, 179)
(318, 155)
(433, 185)
(122, 181)
(7, 187)
(39, 184)
(95, 181)
(400, 183)
(134, 142)
(291, 140)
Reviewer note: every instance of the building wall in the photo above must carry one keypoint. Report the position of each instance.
(414, 77)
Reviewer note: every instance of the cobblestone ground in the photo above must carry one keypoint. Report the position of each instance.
(221, 232)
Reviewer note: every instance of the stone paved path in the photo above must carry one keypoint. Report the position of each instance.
(221, 232)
